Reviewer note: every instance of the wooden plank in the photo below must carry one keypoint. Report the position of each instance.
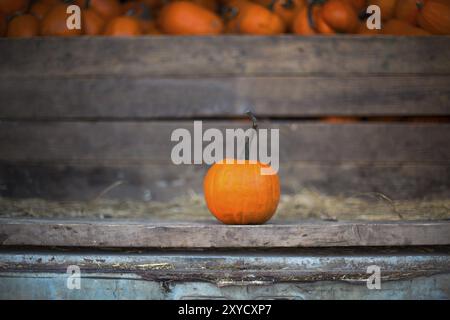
(215, 235)
(231, 55)
(164, 182)
(304, 265)
(149, 142)
(152, 98)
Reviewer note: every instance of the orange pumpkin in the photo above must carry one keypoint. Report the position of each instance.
(434, 16)
(358, 5)
(123, 26)
(212, 5)
(231, 11)
(257, 20)
(288, 9)
(302, 23)
(186, 18)
(149, 27)
(239, 194)
(407, 10)
(136, 7)
(387, 8)
(92, 23)
(23, 26)
(340, 15)
(10, 7)
(107, 9)
(39, 9)
(320, 24)
(402, 28)
(54, 22)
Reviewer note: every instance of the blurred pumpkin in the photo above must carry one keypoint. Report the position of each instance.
(434, 16)
(212, 5)
(107, 9)
(23, 26)
(138, 8)
(123, 26)
(401, 28)
(231, 11)
(186, 18)
(92, 23)
(387, 7)
(258, 20)
(288, 9)
(54, 22)
(39, 9)
(149, 27)
(239, 194)
(408, 10)
(358, 5)
(341, 16)
(304, 22)
(10, 7)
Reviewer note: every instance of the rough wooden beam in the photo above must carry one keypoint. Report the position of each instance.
(122, 233)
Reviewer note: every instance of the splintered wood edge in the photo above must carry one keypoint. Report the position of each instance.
(188, 235)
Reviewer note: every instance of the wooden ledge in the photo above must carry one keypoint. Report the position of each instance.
(189, 235)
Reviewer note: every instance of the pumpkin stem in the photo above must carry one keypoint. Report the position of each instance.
(247, 139)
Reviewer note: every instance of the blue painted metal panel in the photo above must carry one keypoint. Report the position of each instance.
(420, 274)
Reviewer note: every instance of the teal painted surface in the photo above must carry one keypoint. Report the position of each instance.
(53, 286)
(301, 274)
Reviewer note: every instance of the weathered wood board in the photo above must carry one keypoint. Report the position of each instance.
(112, 97)
(78, 115)
(163, 182)
(141, 142)
(228, 55)
(147, 234)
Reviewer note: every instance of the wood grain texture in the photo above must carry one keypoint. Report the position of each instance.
(149, 142)
(230, 55)
(164, 182)
(233, 268)
(153, 98)
(214, 235)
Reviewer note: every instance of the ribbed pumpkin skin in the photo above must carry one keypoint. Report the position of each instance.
(240, 194)
(435, 16)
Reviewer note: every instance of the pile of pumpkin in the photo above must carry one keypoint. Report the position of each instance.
(29, 18)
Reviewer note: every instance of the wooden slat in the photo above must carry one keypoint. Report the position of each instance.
(166, 181)
(227, 268)
(215, 235)
(132, 98)
(231, 55)
(149, 142)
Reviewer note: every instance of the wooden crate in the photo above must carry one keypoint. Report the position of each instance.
(90, 119)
